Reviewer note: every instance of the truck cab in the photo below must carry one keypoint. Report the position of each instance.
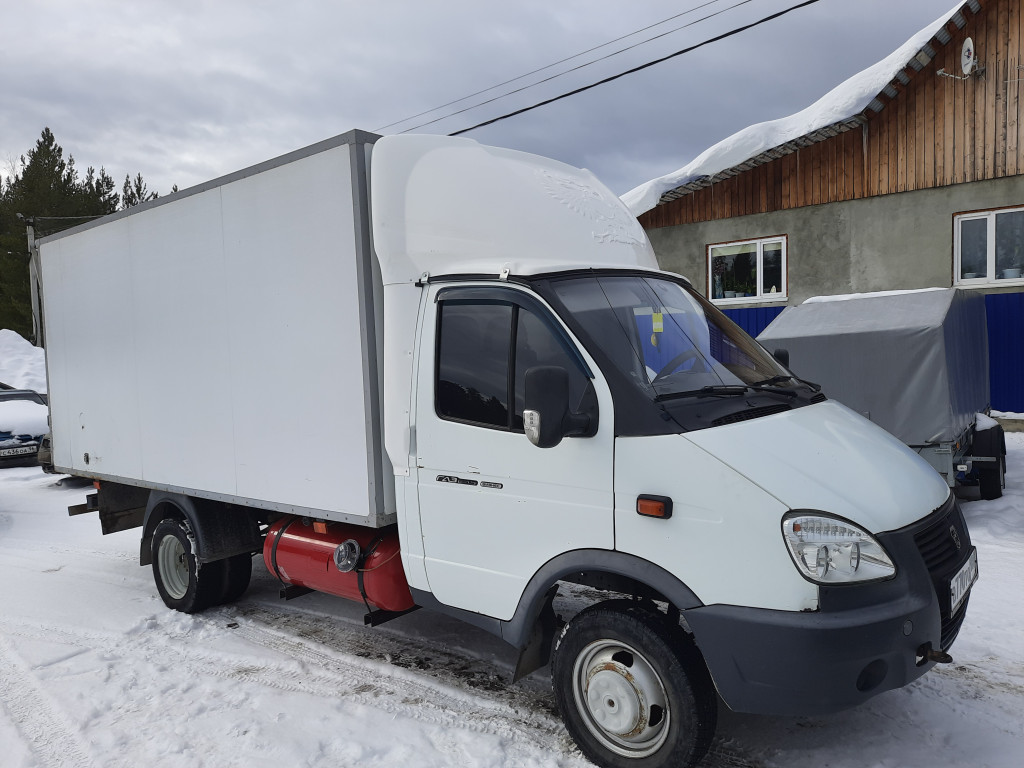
(576, 415)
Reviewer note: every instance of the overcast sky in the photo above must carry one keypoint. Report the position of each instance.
(187, 90)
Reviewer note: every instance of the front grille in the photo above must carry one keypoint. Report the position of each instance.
(751, 413)
(943, 557)
(951, 626)
(937, 546)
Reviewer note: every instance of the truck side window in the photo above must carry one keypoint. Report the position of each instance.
(478, 344)
(537, 345)
(473, 363)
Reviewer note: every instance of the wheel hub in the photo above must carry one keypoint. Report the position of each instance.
(173, 565)
(615, 701)
(622, 698)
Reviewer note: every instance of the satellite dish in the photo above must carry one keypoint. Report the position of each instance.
(968, 59)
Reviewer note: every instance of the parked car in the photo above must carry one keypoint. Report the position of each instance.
(23, 423)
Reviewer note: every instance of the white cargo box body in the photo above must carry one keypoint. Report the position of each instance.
(223, 342)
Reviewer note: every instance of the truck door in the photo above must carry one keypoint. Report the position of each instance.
(493, 507)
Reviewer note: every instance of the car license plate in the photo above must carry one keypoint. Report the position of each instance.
(961, 584)
(19, 451)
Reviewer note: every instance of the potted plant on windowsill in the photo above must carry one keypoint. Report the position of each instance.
(1016, 264)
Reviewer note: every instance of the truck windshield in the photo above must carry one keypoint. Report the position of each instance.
(665, 338)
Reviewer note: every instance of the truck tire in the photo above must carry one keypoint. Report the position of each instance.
(237, 573)
(990, 442)
(633, 690)
(183, 583)
(990, 480)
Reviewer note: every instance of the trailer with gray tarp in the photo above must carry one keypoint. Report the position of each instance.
(915, 363)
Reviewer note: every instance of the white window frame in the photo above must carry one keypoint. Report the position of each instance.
(761, 297)
(989, 278)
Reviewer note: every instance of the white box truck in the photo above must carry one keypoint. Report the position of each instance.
(419, 372)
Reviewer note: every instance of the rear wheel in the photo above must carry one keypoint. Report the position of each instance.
(990, 480)
(183, 582)
(237, 573)
(632, 690)
(990, 442)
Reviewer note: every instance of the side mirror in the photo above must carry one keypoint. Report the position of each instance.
(782, 355)
(546, 417)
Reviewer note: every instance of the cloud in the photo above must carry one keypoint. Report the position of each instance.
(187, 90)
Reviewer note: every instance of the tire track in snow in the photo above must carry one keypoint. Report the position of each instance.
(328, 657)
(310, 671)
(380, 673)
(460, 670)
(47, 733)
(421, 656)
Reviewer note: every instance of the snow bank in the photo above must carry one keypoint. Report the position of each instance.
(841, 103)
(23, 417)
(1007, 415)
(22, 366)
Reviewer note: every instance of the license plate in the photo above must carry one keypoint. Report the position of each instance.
(20, 451)
(961, 584)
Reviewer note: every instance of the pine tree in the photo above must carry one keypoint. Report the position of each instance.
(135, 191)
(46, 187)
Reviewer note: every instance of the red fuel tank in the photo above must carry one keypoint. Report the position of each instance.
(297, 554)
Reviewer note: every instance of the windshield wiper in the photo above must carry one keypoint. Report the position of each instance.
(714, 390)
(781, 378)
(725, 390)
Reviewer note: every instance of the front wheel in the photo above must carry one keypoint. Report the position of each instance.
(633, 690)
(183, 582)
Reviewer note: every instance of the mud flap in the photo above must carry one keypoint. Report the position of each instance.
(537, 652)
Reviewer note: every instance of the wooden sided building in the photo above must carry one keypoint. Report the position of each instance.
(922, 187)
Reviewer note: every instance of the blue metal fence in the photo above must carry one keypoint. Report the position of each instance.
(1006, 350)
(1005, 313)
(753, 320)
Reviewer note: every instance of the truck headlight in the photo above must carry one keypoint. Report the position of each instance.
(830, 550)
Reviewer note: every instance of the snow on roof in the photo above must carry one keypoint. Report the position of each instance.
(872, 295)
(843, 102)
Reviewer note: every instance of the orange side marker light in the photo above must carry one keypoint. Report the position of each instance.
(654, 506)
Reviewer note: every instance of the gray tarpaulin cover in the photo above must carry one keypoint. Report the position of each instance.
(915, 363)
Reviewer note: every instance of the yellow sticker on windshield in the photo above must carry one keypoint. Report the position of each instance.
(659, 323)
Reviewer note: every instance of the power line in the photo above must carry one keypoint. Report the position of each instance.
(723, 36)
(578, 67)
(556, 63)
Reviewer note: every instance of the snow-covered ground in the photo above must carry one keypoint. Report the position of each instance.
(95, 671)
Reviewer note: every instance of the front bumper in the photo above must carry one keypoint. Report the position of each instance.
(864, 640)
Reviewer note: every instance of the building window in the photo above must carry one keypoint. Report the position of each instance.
(989, 247)
(747, 271)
